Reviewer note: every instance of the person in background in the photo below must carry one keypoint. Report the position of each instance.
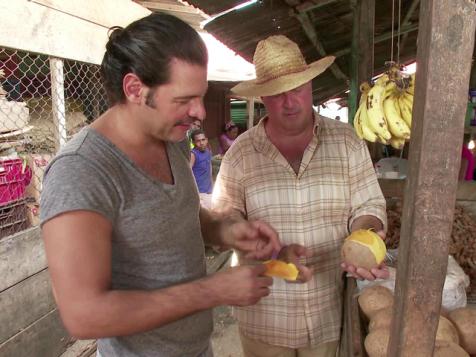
(120, 216)
(196, 124)
(201, 163)
(466, 171)
(228, 137)
(312, 179)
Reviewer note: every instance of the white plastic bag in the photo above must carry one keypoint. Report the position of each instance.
(454, 290)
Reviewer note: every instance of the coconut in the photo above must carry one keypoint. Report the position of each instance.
(446, 331)
(448, 349)
(376, 342)
(464, 319)
(381, 319)
(375, 298)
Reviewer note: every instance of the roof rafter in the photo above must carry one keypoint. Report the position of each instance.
(312, 4)
(311, 33)
(381, 38)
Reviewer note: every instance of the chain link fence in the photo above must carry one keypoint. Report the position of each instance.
(43, 102)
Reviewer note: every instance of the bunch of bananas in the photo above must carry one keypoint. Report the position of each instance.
(385, 110)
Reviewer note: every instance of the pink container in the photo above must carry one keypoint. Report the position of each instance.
(14, 177)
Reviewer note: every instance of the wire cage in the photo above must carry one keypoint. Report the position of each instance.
(43, 102)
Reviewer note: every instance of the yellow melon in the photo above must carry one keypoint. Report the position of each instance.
(364, 249)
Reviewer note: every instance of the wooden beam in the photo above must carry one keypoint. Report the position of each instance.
(24, 303)
(312, 5)
(21, 255)
(445, 48)
(381, 38)
(366, 40)
(406, 21)
(354, 60)
(362, 61)
(250, 106)
(310, 32)
(153, 5)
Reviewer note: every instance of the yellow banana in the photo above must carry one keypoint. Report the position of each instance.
(390, 88)
(376, 117)
(367, 133)
(396, 124)
(406, 111)
(382, 140)
(397, 143)
(357, 124)
(408, 98)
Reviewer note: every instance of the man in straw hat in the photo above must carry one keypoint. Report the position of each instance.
(312, 179)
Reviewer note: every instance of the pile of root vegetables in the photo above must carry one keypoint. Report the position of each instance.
(462, 244)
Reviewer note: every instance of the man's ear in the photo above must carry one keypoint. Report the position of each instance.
(133, 88)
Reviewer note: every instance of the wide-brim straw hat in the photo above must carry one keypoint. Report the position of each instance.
(280, 67)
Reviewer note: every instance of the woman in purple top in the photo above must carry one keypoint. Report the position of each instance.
(227, 138)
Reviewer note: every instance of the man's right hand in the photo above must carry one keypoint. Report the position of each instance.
(241, 286)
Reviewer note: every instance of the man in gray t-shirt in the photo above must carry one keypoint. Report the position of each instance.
(120, 213)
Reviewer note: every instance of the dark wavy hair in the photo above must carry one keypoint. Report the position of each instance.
(145, 48)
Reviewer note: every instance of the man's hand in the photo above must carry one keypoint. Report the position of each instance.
(256, 239)
(381, 272)
(240, 286)
(293, 253)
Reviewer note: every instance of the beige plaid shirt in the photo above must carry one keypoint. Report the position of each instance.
(336, 183)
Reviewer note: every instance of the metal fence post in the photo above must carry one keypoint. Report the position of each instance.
(58, 101)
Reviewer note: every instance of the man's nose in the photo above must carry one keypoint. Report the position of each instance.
(288, 100)
(197, 109)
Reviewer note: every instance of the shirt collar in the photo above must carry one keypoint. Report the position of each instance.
(261, 141)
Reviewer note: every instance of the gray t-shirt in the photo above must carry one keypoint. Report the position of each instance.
(156, 239)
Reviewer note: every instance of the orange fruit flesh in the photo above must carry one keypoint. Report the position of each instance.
(280, 269)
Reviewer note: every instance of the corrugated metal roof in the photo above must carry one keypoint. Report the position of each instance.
(331, 21)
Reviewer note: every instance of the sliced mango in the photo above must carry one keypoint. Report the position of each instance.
(280, 269)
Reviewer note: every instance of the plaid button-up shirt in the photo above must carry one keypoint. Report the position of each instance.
(336, 184)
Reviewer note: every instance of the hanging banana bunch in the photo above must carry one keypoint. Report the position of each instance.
(385, 109)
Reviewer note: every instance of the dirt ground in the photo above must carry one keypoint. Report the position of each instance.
(225, 338)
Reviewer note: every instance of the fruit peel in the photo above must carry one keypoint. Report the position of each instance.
(370, 240)
(280, 269)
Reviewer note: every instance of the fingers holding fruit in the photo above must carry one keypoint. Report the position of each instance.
(289, 264)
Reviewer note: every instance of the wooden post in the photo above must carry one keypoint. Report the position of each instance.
(445, 47)
(354, 61)
(362, 61)
(58, 101)
(366, 40)
(250, 106)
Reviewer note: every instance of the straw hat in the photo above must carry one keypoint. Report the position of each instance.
(280, 67)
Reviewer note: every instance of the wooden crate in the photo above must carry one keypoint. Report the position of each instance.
(13, 218)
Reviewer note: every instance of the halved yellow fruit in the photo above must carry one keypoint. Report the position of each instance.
(280, 269)
(364, 248)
